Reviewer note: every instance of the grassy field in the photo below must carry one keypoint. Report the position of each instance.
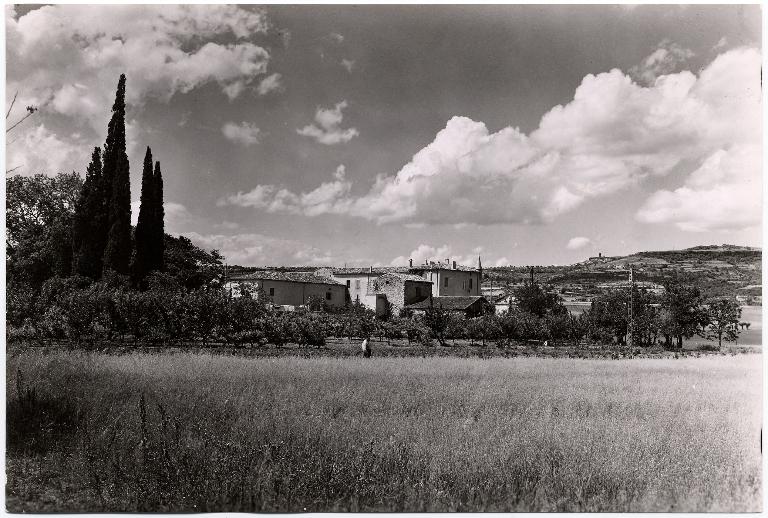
(202, 432)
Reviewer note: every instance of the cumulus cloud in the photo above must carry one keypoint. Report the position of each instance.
(329, 198)
(270, 83)
(614, 134)
(67, 58)
(576, 243)
(723, 194)
(424, 253)
(327, 129)
(244, 133)
(348, 64)
(665, 59)
(262, 250)
(38, 150)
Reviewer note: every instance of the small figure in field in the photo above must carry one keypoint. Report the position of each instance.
(366, 349)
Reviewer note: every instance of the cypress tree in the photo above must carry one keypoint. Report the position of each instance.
(88, 238)
(158, 223)
(144, 234)
(117, 254)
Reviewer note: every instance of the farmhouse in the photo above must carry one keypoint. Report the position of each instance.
(400, 286)
(375, 287)
(449, 279)
(470, 306)
(289, 288)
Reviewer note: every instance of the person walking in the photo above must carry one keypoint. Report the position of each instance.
(366, 349)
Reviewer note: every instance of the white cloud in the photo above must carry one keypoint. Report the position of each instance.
(329, 198)
(611, 136)
(67, 58)
(244, 133)
(424, 253)
(261, 250)
(328, 128)
(38, 150)
(721, 44)
(348, 64)
(576, 243)
(723, 194)
(665, 59)
(269, 84)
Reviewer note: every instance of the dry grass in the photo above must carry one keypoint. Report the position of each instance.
(436, 434)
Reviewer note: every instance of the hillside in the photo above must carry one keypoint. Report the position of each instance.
(720, 270)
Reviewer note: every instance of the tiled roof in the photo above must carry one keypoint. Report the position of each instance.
(450, 303)
(378, 270)
(408, 277)
(306, 278)
(442, 266)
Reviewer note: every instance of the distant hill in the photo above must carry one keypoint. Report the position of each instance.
(720, 270)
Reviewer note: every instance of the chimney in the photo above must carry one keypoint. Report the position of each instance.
(454, 265)
(599, 254)
(447, 261)
(410, 263)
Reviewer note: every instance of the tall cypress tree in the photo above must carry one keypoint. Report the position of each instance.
(158, 223)
(117, 254)
(88, 238)
(144, 234)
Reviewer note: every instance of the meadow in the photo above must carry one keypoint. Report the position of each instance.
(186, 431)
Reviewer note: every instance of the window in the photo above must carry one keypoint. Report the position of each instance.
(271, 292)
(357, 284)
(349, 284)
(470, 284)
(327, 295)
(445, 283)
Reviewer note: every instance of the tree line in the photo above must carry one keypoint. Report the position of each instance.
(109, 310)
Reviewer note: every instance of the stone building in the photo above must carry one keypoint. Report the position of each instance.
(450, 279)
(404, 285)
(289, 288)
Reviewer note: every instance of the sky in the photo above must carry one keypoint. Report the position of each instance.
(368, 135)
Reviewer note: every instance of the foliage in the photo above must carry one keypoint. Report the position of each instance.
(117, 187)
(39, 213)
(686, 312)
(89, 226)
(437, 319)
(538, 301)
(143, 237)
(191, 266)
(157, 230)
(722, 320)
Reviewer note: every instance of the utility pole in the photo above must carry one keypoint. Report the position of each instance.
(531, 275)
(631, 315)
